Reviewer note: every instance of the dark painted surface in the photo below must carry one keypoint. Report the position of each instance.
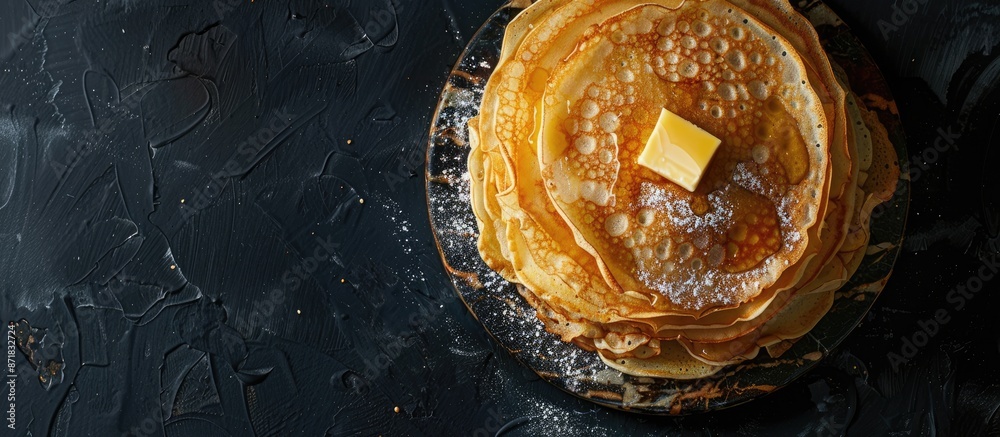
(213, 222)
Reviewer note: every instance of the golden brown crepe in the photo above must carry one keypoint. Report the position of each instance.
(660, 281)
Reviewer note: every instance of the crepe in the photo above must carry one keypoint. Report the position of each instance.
(657, 280)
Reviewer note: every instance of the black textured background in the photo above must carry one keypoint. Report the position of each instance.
(213, 222)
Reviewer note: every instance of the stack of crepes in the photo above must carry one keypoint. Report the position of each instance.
(658, 280)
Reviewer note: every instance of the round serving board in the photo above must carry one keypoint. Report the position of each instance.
(496, 303)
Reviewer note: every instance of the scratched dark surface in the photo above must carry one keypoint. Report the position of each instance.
(213, 222)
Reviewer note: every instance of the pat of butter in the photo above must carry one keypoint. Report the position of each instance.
(678, 150)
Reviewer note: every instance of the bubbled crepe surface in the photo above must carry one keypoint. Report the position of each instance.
(558, 237)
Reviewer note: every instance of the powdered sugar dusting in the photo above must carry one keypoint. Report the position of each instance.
(688, 284)
(679, 209)
(752, 181)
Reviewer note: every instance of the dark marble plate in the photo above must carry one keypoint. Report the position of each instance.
(496, 303)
